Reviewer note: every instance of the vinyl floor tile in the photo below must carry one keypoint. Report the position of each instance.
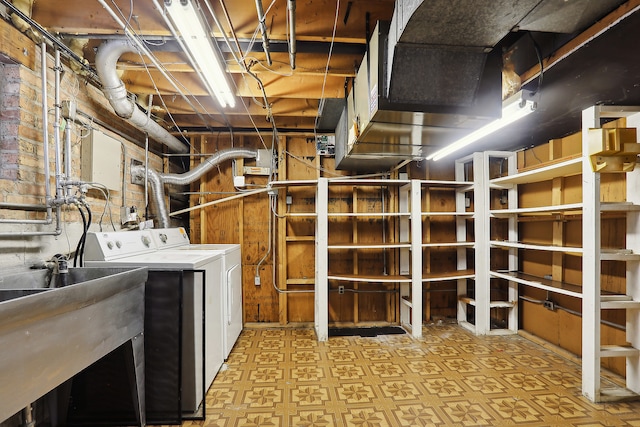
(284, 377)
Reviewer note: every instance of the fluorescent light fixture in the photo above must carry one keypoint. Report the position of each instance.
(513, 109)
(203, 55)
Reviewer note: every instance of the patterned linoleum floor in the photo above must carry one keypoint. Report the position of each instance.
(284, 377)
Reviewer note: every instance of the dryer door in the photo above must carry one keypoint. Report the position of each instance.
(233, 308)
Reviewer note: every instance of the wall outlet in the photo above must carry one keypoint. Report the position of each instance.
(549, 305)
(256, 281)
(341, 289)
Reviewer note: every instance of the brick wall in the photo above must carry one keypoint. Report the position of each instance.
(21, 160)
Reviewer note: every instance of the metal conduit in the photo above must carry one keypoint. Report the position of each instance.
(35, 207)
(263, 30)
(291, 7)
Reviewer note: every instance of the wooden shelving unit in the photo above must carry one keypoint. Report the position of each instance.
(590, 252)
(370, 229)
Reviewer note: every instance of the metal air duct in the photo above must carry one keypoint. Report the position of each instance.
(114, 89)
(157, 180)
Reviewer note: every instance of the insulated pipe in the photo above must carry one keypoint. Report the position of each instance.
(67, 156)
(291, 6)
(115, 91)
(157, 180)
(45, 127)
(204, 167)
(263, 30)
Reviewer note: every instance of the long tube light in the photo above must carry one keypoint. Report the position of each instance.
(513, 109)
(202, 54)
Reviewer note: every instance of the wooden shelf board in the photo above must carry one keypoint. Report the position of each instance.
(551, 248)
(549, 210)
(448, 245)
(301, 238)
(492, 304)
(618, 351)
(469, 214)
(368, 245)
(434, 183)
(619, 207)
(367, 182)
(370, 278)
(449, 275)
(301, 214)
(561, 169)
(301, 281)
(368, 214)
(618, 255)
(540, 283)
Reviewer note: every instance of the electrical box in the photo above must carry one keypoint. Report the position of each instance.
(101, 160)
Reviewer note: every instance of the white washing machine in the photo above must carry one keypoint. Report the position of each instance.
(202, 354)
(177, 238)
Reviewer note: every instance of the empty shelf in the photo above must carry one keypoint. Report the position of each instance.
(369, 278)
(540, 283)
(544, 173)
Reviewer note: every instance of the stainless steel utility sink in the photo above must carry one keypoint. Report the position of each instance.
(47, 335)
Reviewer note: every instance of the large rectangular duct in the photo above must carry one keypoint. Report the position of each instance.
(433, 74)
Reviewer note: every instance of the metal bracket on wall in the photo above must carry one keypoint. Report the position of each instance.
(138, 180)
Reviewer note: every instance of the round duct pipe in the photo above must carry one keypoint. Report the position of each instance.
(115, 91)
(157, 180)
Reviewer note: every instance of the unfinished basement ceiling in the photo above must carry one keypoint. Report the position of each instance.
(604, 71)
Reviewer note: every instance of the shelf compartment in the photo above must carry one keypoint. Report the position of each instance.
(544, 173)
(550, 248)
(539, 282)
(369, 278)
(618, 255)
(492, 304)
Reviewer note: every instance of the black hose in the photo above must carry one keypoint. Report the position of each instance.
(84, 235)
(84, 227)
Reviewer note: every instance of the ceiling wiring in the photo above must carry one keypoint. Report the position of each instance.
(326, 72)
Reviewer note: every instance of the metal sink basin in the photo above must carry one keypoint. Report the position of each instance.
(47, 335)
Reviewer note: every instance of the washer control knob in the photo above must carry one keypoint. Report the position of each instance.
(110, 245)
(163, 238)
(146, 241)
(118, 244)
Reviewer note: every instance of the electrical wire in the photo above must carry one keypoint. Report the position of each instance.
(326, 71)
(536, 47)
(311, 165)
(107, 202)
